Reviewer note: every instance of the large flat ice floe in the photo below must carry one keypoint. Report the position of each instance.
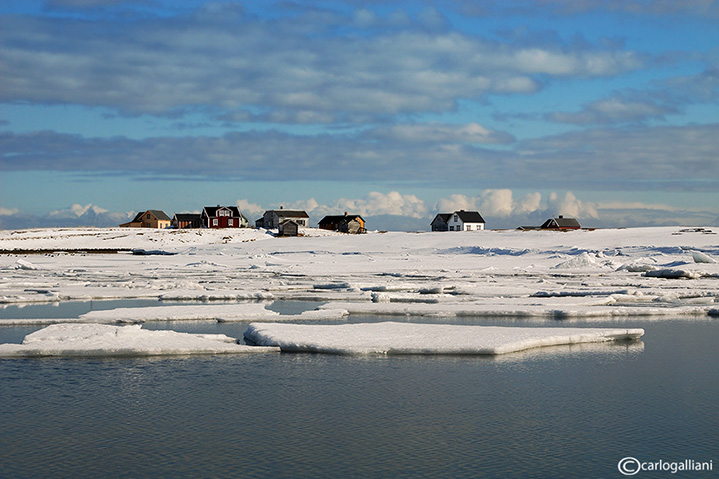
(102, 340)
(407, 338)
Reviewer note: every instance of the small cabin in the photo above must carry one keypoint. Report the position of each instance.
(288, 228)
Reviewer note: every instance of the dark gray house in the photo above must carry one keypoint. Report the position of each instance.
(561, 223)
(288, 228)
(441, 222)
(186, 220)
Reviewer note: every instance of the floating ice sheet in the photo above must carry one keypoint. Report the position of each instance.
(100, 340)
(408, 338)
(222, 313)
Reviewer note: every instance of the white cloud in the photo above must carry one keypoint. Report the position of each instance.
(569, 205)
(250, 210)
(222, 59)
(8, 212)
(500, 209)
(373, 204)
(441, 133)
(77, 210)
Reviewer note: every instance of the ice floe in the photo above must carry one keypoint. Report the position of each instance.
(407, 338)
(101, 340)
(243, 312)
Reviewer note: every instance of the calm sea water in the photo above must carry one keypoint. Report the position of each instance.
(559, 412)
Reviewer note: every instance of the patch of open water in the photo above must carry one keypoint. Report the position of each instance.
(558, 412)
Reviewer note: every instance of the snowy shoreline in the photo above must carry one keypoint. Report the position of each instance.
(613, 273)
(618, 274)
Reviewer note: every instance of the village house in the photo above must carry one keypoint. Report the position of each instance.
(353, 224)
(273, 218)
(458, 221)
(561, 223)
(187, 220)
(149, 219)
(223, 217)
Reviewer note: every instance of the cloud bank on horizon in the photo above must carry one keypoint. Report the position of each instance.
(398, 109)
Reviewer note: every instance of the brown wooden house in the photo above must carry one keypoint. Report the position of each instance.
(353, 224)
(149, 219)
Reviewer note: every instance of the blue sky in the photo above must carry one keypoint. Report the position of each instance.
(601, 109)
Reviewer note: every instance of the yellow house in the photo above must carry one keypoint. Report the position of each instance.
(149, 219)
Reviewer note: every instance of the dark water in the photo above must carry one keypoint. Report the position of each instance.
(560, 412)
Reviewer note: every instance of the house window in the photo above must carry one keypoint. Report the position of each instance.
(456, 218)
(469, 227)
(229, 222)
(148, 216)
(215, 222)
(451, 228)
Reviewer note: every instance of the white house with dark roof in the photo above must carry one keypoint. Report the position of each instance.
(458, 221)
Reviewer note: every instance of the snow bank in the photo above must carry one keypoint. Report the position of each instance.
(407, 338)
(100, 340)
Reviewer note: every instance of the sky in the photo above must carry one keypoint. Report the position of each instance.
(605, 110)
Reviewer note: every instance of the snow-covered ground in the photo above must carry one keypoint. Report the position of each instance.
(613, 273)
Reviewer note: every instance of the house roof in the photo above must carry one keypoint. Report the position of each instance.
(187, 216)
(334, 219)
(290, 213)
(561, 222)
(212, 210)
(159, 214)
(469, 216)
(442, 216)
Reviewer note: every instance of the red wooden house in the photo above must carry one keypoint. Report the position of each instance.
(223, 217)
